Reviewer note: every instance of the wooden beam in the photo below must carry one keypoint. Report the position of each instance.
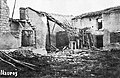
(49, 34)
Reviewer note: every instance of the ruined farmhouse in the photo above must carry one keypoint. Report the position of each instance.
(103, 24)
(34, 29)
(43, 29)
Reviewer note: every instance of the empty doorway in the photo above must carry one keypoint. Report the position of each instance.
(27, 38)
(99, 41)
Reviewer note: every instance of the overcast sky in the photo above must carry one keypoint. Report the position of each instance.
(66, 7)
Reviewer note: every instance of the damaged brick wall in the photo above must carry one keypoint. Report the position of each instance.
(4, 16)
(7, 41)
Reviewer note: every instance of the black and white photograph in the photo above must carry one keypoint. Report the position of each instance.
(59, 38)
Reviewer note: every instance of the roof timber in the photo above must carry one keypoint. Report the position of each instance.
(49, 17)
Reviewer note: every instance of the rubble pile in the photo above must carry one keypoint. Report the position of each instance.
(21, 53)
(88, 64)
(70, 64)
(74, 64)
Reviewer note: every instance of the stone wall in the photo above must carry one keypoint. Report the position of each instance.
(40, 24)
(111, 21)
(106, 38)
(85, 22)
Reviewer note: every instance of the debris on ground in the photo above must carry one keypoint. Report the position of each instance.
(67, 63)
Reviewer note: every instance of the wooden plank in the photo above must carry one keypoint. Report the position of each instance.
(28, 65)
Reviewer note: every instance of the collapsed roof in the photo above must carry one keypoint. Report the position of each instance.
(65, 26)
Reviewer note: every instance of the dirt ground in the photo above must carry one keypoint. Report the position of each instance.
(68, 64)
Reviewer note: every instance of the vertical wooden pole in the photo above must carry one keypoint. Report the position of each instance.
(35, 37)
(88, 40)
(49, 41)
(78, 44)
(83, 39)
(13, 9)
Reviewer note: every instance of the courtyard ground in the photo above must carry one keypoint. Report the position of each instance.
(66, 64)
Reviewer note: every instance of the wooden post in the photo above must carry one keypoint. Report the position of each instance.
(49, 41)
(81, 41)
(88, 40)
(35, 37)
(82, 38)
(92, 40)
(78, 43)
